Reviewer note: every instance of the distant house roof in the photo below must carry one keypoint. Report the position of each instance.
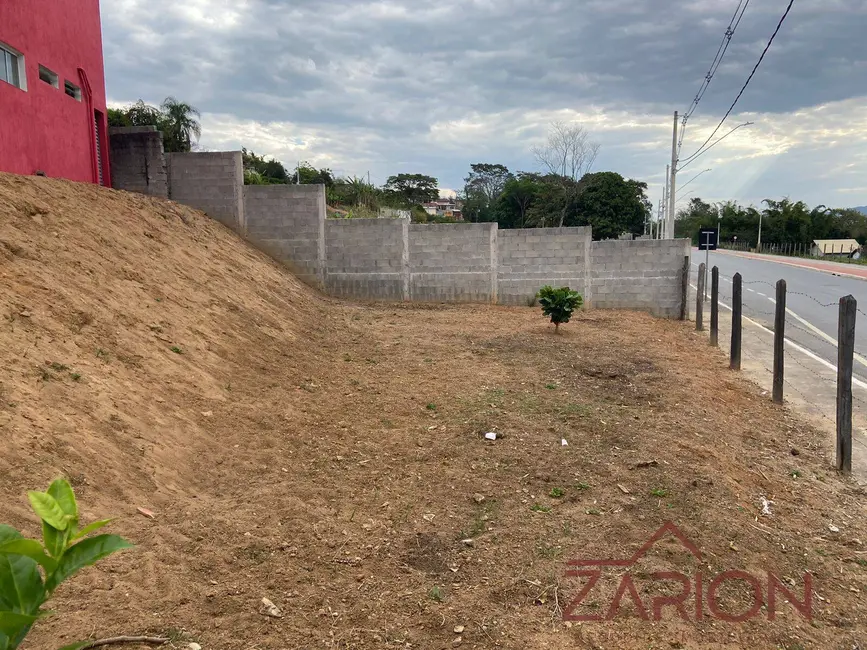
(837, 245)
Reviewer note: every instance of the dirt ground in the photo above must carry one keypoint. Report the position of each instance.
(331, 456)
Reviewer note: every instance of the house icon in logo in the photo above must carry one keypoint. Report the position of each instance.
(666, 528)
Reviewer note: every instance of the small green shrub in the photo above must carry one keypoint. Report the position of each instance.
(559, 304)
(436, 594)
(63, 552)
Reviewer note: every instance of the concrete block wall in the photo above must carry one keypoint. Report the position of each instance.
(640, 274)
(530, 258)
(453, 262)
(138, 163)
(210, 182)
(367, 258)
(392, 259)
(288, 223)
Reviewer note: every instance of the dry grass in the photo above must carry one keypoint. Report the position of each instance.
(331, 456)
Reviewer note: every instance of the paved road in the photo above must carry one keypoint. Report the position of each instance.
(812, 301)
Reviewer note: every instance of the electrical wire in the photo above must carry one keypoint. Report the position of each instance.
(694, 158)
(714, 66)
(746, 83)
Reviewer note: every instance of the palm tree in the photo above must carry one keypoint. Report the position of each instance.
(180, 125)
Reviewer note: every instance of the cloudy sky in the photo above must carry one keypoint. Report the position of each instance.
(430, 86)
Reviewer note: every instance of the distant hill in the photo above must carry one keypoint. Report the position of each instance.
(862, 209)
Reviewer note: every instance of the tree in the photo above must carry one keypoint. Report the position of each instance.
(354, 192)
(689, 220)
(177, 121)
(482, 188)
(117, 117)
(611, 204)
(515, 200)
(559, 304)
(309, 175)
(569, 154)
(261, 171)
(180, 125)
(141, 114)
(412, 189)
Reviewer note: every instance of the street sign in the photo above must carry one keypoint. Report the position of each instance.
(708, 238)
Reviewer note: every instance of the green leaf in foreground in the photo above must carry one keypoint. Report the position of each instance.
(62, 492)
(90, 528)
(85, 553)
(47, 508)
(28, 548)
(12, 624)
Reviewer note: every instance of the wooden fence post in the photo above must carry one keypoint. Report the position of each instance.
(845, 357)
(699, 299)
(714, 306)
(684, 297)
(779, 341)
(737, 306)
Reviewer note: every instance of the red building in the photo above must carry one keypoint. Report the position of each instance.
(52, 90)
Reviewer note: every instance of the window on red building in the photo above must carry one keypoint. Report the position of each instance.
(72, 90)
(48, 77)
(12, 67)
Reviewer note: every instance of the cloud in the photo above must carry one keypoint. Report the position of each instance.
(433, 85)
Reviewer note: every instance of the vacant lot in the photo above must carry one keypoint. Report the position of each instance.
(331, 457)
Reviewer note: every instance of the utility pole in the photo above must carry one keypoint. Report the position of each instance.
(664, 212)
(659, 216)
(673, 174)
(759, 243)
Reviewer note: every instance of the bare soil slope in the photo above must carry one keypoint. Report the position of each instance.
(331, 457)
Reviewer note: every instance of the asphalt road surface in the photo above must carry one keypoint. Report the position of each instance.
(812, 301)
(812, 311)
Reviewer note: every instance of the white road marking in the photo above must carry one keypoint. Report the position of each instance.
(820, 333)
(802, 350)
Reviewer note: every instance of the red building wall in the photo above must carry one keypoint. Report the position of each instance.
(42, 128)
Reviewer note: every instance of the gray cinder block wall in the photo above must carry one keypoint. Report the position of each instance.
(391, 259)
(288, 223)
(138, 163)
(453, 262)
(367, 258)
(641, 274)
(530, 258)
(210, 182)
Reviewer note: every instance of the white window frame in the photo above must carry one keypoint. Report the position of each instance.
(22, 70)
(54, 79)
(76, 90)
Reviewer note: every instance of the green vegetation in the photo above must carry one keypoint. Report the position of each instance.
(436, 594)
(63, 551)
(559, 304)
(538, 507)
(784, 222)
(176, 120)
(659, 492)
(557, 493)
(176, 349)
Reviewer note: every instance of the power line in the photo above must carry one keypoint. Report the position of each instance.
(687, 163)
(747, 83)
(714, 66)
